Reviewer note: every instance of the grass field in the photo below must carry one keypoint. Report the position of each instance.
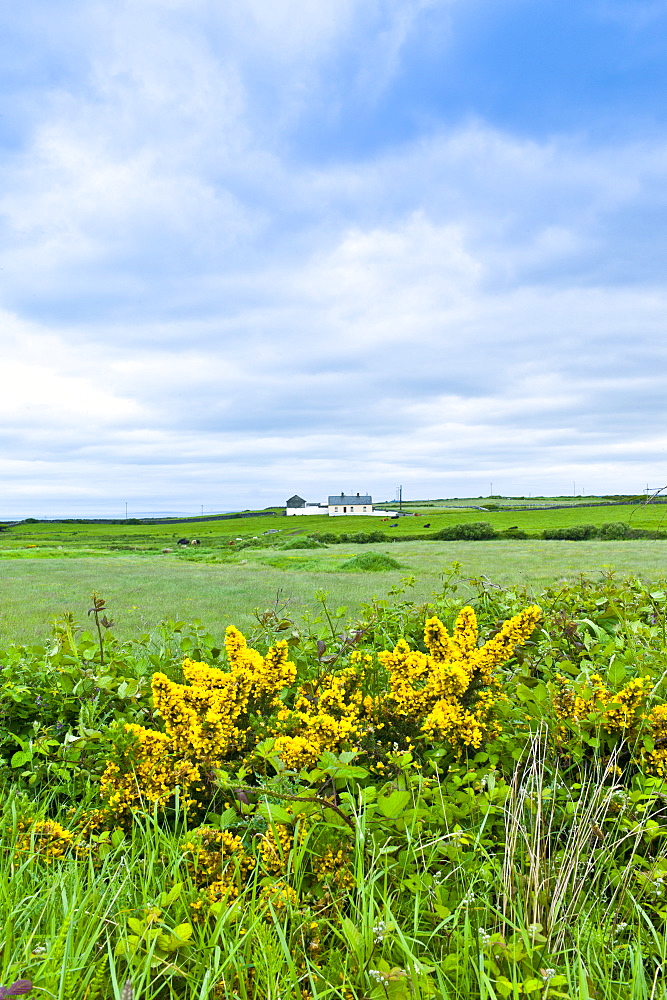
(142, 590)
(509, 503)
(61, 540)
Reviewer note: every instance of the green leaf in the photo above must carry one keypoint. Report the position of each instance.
(138, 926)
(532, 985)
(616, 673)
(173, 941)
(348, 771)
(392, 805)
(173, 895)
(117, 837)
(274, 813)
(183, 932)
(353, 935)
(20, 758)
(504, 986)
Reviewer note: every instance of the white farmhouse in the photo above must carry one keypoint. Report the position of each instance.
(345, 504)
(338, 506)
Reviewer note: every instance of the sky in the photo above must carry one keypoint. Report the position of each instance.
(264, 247)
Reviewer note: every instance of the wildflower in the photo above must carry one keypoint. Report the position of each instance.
(379, 931)
(333, 868)
(547, 974)
(43, 838)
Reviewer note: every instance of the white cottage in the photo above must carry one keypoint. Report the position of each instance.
(344, 504)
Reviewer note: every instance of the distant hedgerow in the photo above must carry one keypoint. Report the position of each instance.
(474, 531)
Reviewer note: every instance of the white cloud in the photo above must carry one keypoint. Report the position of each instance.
(190, 305)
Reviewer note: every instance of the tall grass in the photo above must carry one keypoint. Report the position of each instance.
(143, 591)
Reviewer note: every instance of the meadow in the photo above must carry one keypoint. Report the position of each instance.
(440, 780)
(142, 590)
(62, 539)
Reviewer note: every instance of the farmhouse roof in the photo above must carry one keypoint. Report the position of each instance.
(296, 501)
(348, 501)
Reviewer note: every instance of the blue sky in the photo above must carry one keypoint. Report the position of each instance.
(274, 246)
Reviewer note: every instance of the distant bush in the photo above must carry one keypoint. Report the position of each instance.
(513, 533)
(473, 531)
(615, 530)
(572, 533)
(373, 561)
(303, 542)
(356, 537)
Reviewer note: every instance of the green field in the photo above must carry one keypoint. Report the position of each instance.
(240, 566)
(60, 540)
(144, 589)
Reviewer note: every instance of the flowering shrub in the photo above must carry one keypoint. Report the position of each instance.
(452, 689)
(595, 705)
(43, 838)
(218, 863)
(148, 774)
(445, 695)
(403, 805)
(655, 759)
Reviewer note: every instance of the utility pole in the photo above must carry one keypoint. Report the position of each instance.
(126, 510)
(400, 497)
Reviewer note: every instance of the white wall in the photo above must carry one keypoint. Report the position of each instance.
(300, 511)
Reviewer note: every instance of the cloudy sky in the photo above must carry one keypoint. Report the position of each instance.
(257, 247)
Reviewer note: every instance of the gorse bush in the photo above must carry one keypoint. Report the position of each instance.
(431, 801)
(445, 695)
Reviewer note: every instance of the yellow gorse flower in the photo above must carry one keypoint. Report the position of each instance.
(449, 692)
(445, 687)
(655, 761)
(202, 715)
(44, 838)
(617, 713)
(153, 779)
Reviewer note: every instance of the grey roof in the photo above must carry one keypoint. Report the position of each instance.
(348, 501)
(296, 501)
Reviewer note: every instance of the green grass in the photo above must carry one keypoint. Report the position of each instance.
(143, 590)
(48, 540)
